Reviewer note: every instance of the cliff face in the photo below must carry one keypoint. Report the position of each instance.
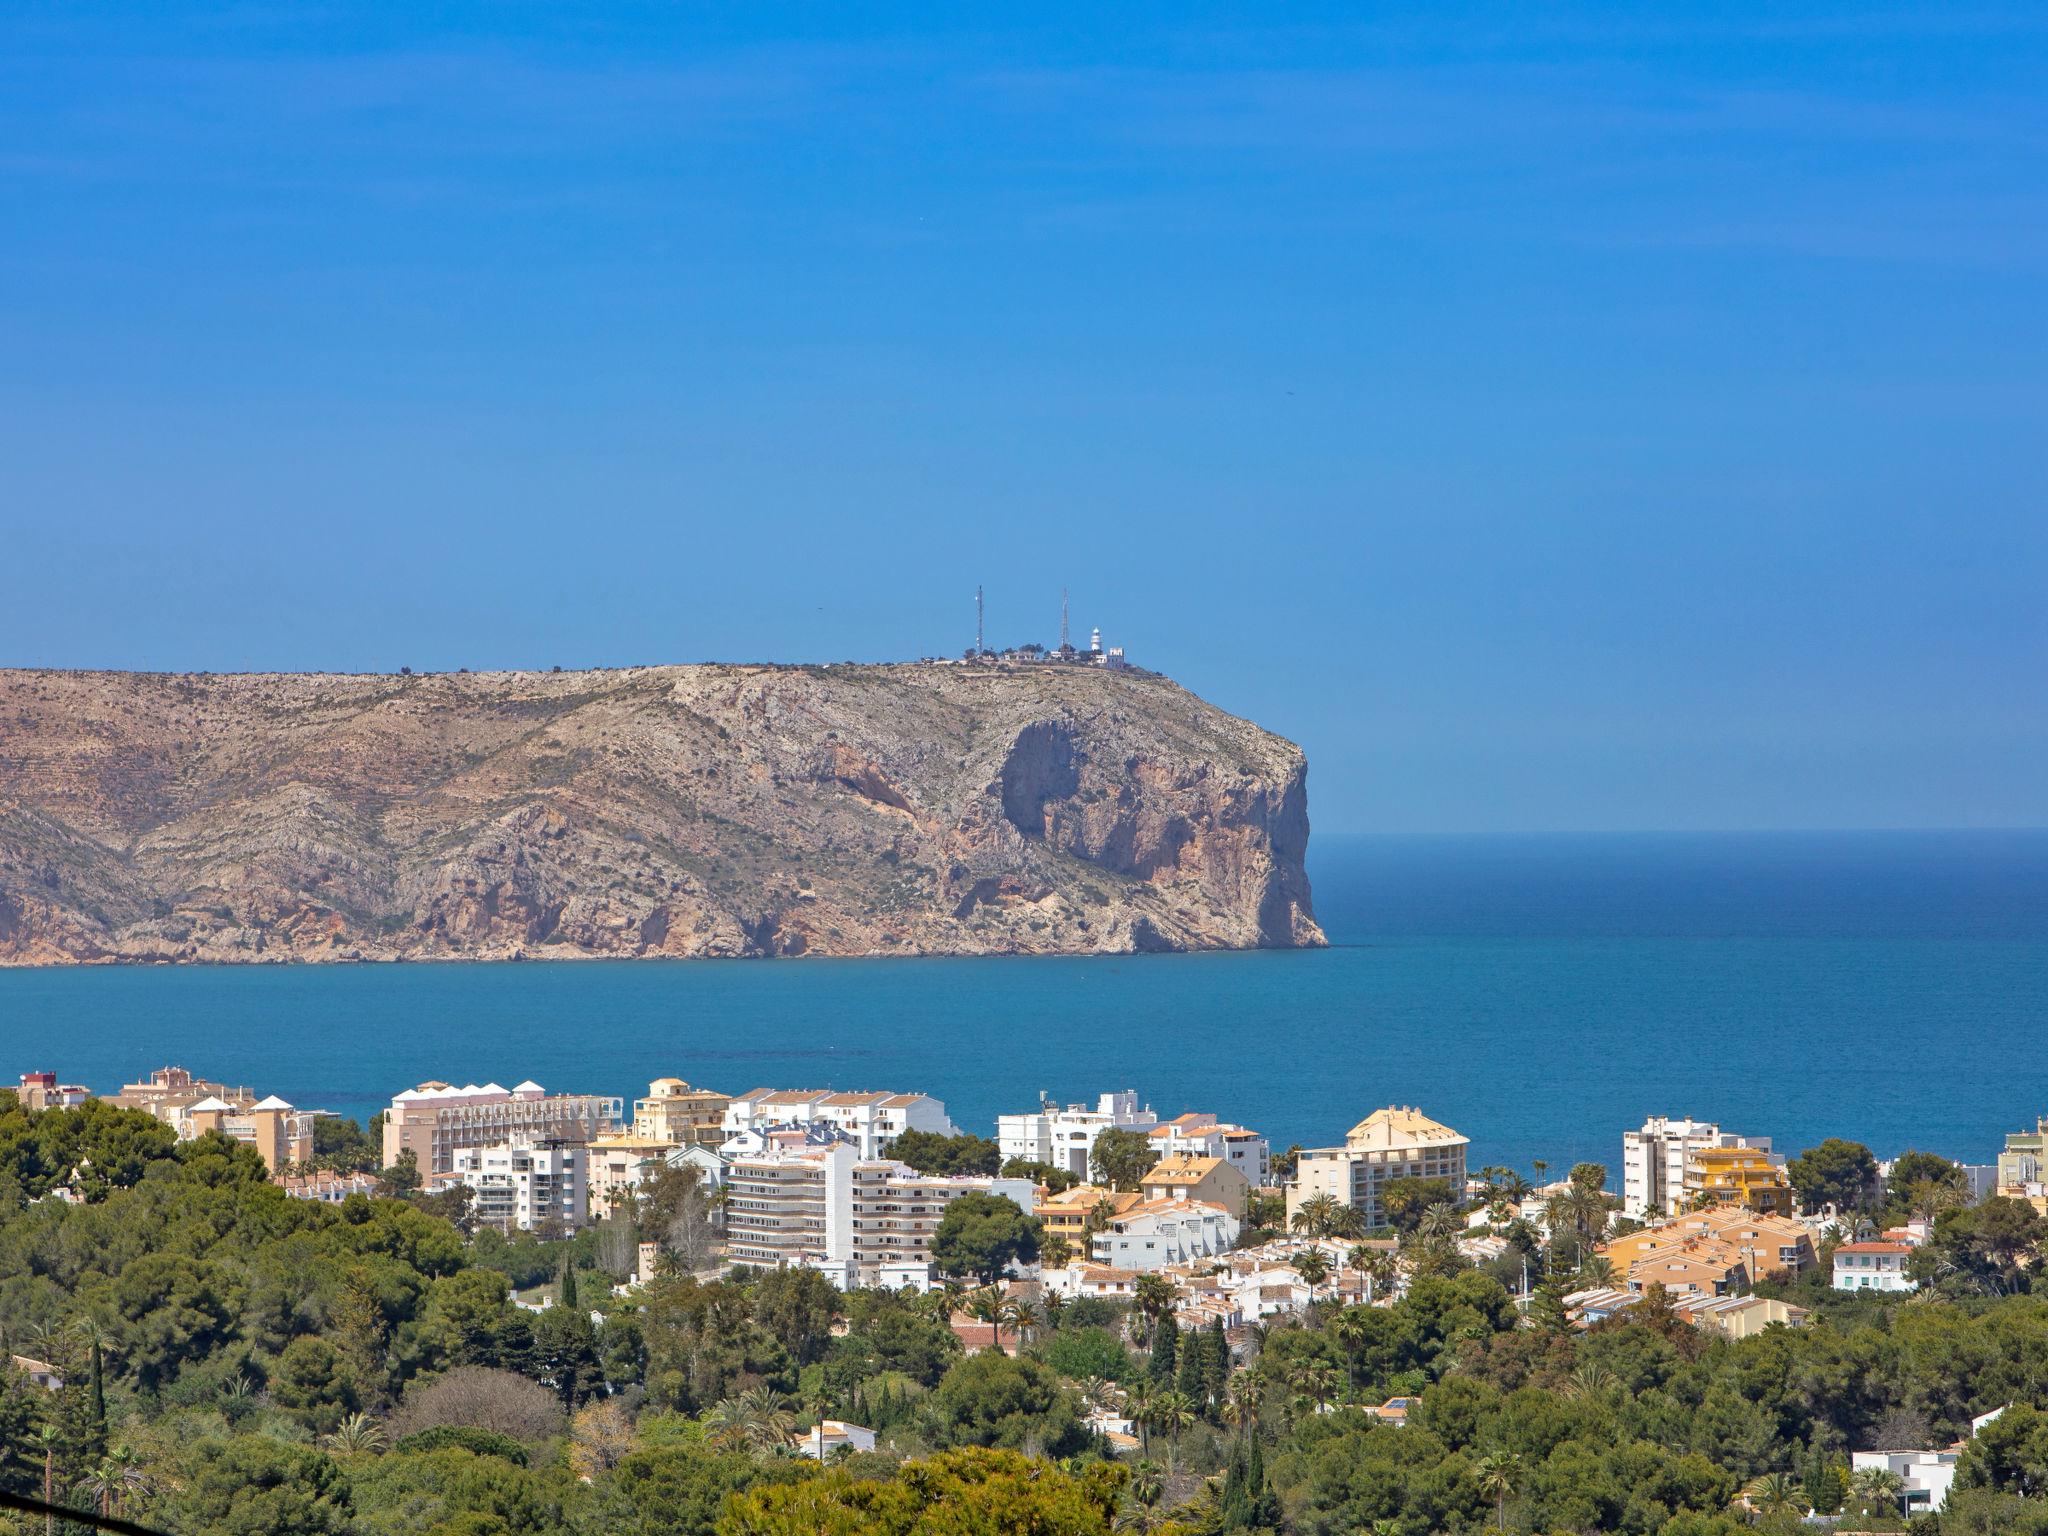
(702, 810)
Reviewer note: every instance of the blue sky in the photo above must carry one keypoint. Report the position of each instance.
(1552, 417)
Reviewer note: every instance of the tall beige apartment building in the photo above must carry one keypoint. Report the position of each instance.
(1392, 1143)
(435, 1121)
(680, 1115)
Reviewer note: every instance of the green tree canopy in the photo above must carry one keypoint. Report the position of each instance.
(1838, 1173)
(983, 1235)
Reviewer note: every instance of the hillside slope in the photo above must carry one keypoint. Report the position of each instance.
(689, 810)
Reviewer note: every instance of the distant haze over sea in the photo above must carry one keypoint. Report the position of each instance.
(1541, 994)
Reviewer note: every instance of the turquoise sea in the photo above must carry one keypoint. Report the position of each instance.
(1539, 993)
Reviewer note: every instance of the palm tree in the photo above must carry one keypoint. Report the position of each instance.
(1138, 1409)
(1153, 1296)
(940, 1303)
(1146, 1484)
(1381, 1271)
(1500, 1475)
(1772, 1493)
(356, 1433)
(1024, 1317)
(47, 1437)
(1351, 1328)
(1174, 1412)
(1590, 1380)
(1241, 1401)
(1313, 1269)
(1316, 1215)
(1595, 1271)
(1439, 1222)
(1876, 1488)
(120, 1471)
(759, 1420)
(986, 1306)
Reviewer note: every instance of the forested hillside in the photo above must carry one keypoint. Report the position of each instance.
(238, 1362)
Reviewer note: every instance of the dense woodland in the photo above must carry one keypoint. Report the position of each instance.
(238, 1362)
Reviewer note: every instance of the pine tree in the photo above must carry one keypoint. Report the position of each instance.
(1165, 1349)
(1547, 1309)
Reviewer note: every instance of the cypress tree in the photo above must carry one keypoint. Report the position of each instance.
(1165, 1349)
(99, 1392)
(566, 1293)
(1219, 1360)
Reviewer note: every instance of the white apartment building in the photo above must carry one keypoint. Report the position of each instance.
(525, 1186)
(869, 1121)
(1065, 1137)
(1655, 1161)
(435, 1120)
(1201, 1135)
(1872, 1267)
(1156, 1233)
(858, 1220)
(1392, 1143)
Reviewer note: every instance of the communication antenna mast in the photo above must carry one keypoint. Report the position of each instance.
(1063, 618)
(980, 644)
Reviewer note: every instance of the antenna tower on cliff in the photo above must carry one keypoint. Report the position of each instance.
(1063, 618)
(980, 644)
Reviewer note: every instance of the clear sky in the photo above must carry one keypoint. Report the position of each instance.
(1550, 416)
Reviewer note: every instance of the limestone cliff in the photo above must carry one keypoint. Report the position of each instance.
(691, 810)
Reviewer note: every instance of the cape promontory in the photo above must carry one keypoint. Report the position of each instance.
(924, 809)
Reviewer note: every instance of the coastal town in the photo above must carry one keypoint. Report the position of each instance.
(1190, 1221)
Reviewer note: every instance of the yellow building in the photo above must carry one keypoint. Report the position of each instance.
(1184, 1176)
(1066, 1214)
(1744, 1176)
(680, 1115)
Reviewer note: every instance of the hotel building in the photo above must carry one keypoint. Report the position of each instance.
(1392, 1143)
(435, 1121)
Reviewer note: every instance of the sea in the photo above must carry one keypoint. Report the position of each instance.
(1541, 994)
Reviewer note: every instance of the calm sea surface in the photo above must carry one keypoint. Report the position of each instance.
(1539, 993)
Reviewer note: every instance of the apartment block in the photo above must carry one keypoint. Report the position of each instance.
(1068, 1213)
(869, 1122)
(525, 1186)
(1397, 1142)
(1189, 1176)
(1202, 1135)
(1065, 1136)
(619, 1164)
(1714, 1253)
(41, 1090)
(2023, 1165)
(860, 1221)
(1156, 1233)
(435, 1120)
(1658, 1175)
(681, 1115)
(1746, 1176)
(281, 1134)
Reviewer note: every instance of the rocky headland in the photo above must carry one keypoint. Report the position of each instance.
(654, 811)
